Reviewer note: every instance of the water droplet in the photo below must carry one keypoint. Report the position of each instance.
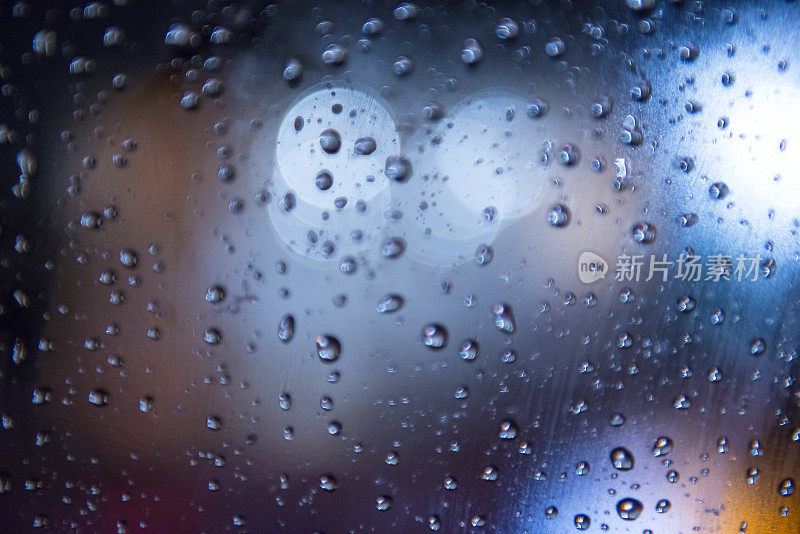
(786, 487)
(622, 459)
(554, 47)
(286, 328)
(558, 216)
(503, 318)
(328, 348)
(472, 52)
(757, 347)
(213, 422)
(128, 258)
(506, 29)
(212, 336)
(215, 294)
(662, 446)
(582, 522)
(629, 509)
(468, 350)
(390, 303)
(397, 168)
(334, 55)
(365, 146)
(327, 483)
(643, 232)
(383, 503)
(330, 141)
(393, 247)
(508, 430)
(434, 336)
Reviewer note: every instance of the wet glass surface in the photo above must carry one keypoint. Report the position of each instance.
(372, 267)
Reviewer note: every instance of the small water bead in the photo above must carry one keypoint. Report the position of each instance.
(568, 155)
(468, 350)
(212, 88)
(327, 483)
(330, 141)
(554, 47)
(582, 522)
(286, 328)
(714, 374)
(128, 258)
(537, 108)
(757, 347)
(551, 512)
(688, 52)
(328, 348)
(503, 318)
(489, 473)
(484, 254)
(718, 191)
(397, 168)
(752, 475)
(365, 146)
(213, 422)
(324, 180)
(215, 294)
(190, 100)
(434, 523)
(601, 107)
(687, 220)
(477, 521)
(786, 487)
(508, 356)
(629, 509)
(91, 220)
(402, 66)
(686, 304)
(472, 52)
(582, 469)
(373, 26)
(390, 303)
(98, 397)
(434, 336)
(450, 483)
(663, 506)
(508, 430)
(641, 91)
(506, 29)
(212, 336)
(462, 392)
(622, 459)
(558, 216)
(383, 503)
(640, 5)
(293, 70)
(617, 419)
(662, 446)
(348, 265)
(285, 401)
(643, 232)
(393, 247)
(225, 173)
(334, 55)
(489, 214)
(406, 11)
(673, 476)
(682, 402)
(334, 428)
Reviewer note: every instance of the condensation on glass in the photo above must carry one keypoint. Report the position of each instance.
(394, 267)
